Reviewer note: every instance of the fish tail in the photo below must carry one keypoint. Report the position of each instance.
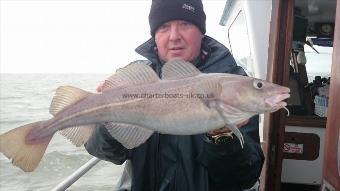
(25, 155)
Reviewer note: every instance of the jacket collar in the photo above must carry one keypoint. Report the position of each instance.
(148, 50)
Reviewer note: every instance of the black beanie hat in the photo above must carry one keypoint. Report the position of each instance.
(163, 11)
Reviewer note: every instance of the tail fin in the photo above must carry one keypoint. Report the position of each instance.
(26, 156)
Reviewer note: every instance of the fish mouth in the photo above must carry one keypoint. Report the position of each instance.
(277, 101)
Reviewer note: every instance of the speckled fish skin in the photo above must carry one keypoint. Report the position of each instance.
(170, 106)
(136, 103)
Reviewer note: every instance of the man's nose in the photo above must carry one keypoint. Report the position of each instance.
(174, 33)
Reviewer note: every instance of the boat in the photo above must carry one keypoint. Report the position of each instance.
(280, 41)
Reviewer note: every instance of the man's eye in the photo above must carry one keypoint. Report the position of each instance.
(163, 27)
(184, 23)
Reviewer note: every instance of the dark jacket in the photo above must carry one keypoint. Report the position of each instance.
(185, 163)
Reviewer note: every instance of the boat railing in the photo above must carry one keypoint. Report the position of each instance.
(76, 175)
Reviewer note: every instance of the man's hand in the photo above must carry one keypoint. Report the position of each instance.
(226, 130)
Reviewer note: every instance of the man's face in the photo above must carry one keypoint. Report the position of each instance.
(178, 39)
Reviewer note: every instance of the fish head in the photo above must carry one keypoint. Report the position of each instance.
(253, 95)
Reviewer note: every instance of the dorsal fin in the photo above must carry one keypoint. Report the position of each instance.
(138, 72)
(177, 69)
(65, 96)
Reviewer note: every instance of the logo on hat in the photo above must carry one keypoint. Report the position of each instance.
(188, 7)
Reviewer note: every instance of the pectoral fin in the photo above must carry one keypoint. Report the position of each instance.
(237, 132)
(220, 107)
(210, 90)
(130, 136)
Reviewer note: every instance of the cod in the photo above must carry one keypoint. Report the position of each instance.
(136, 102)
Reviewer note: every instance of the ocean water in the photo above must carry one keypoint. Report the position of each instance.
(25, 98)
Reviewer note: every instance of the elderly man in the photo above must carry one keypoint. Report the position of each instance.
(194, 162)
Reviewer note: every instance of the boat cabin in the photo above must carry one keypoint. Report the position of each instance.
(294, 43)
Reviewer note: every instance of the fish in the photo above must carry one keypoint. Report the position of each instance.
(136, 102)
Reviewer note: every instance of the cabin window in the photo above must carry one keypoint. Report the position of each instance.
(239, 43)
(310, 80)
(311, 59)
(318, 63)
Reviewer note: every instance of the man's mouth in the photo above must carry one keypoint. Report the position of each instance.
(176, 48)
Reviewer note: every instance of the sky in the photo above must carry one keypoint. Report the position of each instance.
(80, 36)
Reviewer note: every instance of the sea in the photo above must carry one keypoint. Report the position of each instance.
(25, 98)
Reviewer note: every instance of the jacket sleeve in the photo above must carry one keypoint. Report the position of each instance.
(102, 145)
(230, 166)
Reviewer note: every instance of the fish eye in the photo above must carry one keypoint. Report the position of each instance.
(258, 84)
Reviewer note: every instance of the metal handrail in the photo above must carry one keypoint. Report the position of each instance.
(76, 175)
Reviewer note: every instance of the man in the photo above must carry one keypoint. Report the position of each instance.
(212, 161)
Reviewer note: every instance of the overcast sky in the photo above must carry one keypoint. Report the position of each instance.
(80, 36)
